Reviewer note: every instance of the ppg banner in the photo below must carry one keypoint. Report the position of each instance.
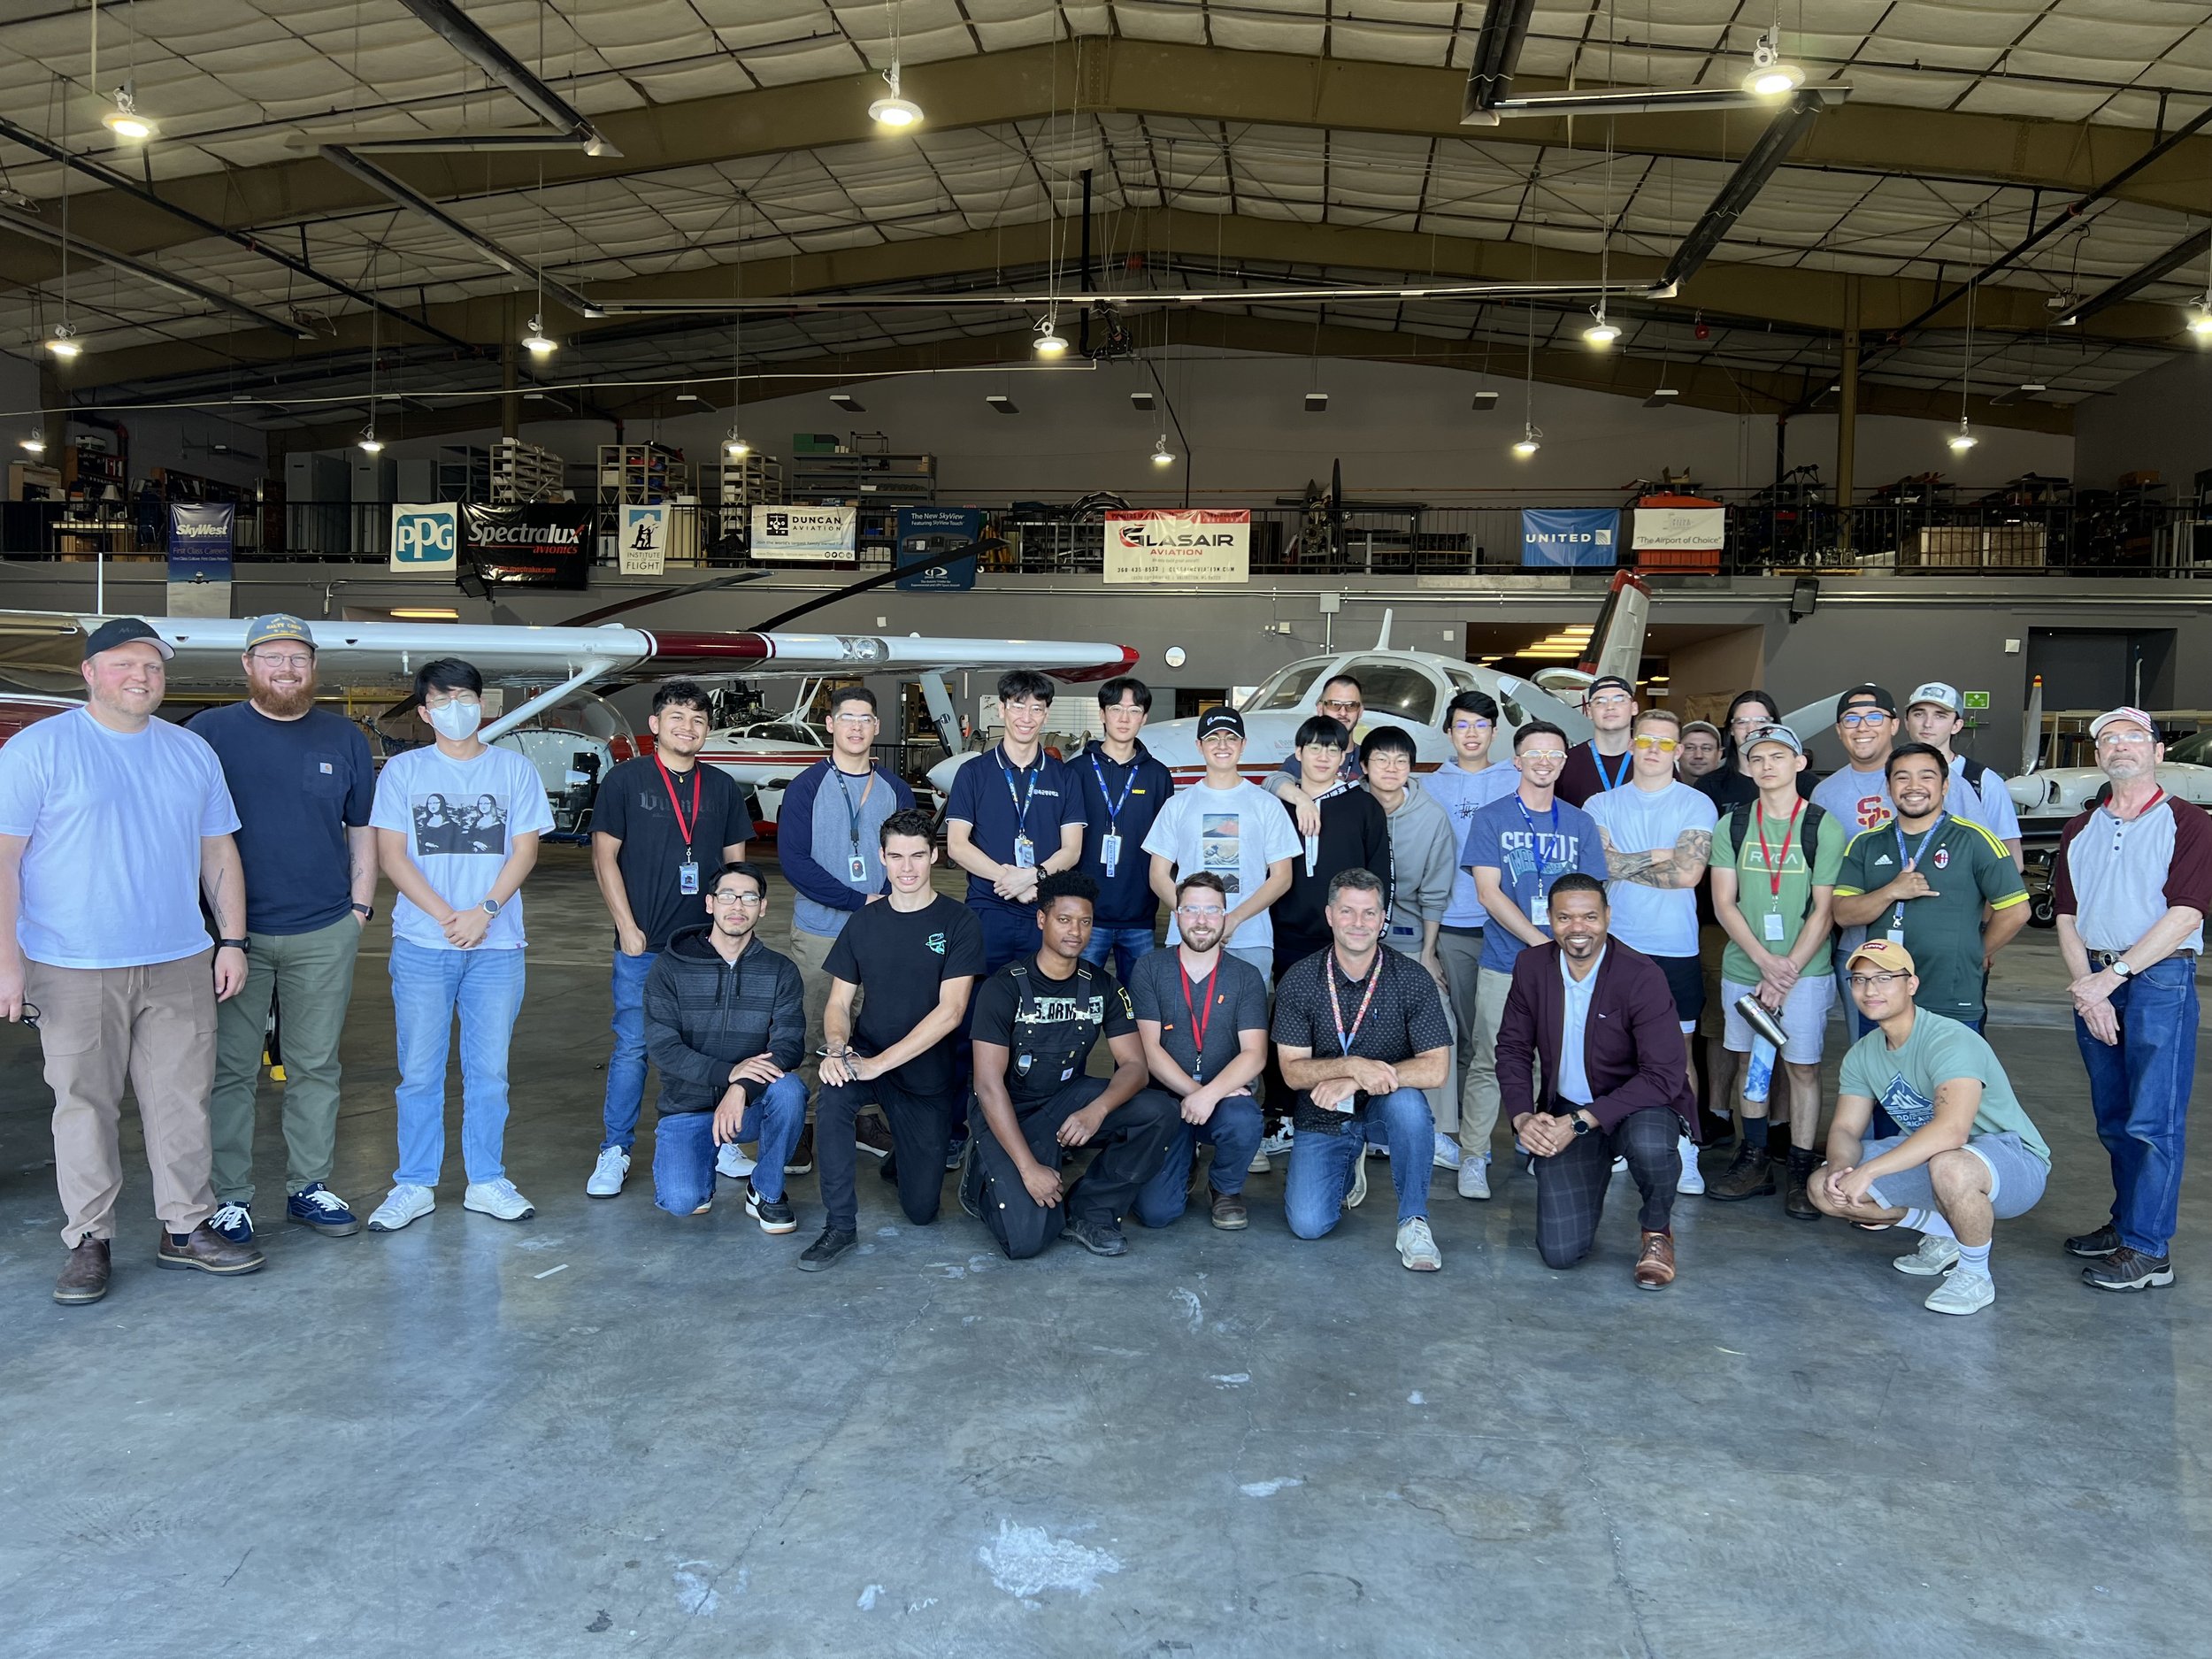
(820, 536)
(925, 531)
(537, 544)
(1159, 544)
(200, 540)
(1554, 536)
(643, 548)
(426, 536)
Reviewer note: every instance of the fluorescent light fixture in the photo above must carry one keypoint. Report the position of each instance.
(735, 445)
(1141, 402)
(425, 613)
(1317, 402)
(1486, 402)
(1663, 397)
(1004, 405)
(1162, 456)
(1049, 342)
(1531, 440)
(537, 342)
(2032, 387)
(63, 343)
(1602, 332)
(847, 402)
(689, 396)
(1963, 438)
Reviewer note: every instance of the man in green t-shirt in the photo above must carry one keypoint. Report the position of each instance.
(1942, 887)
(1774, 869)
(1968, 1157)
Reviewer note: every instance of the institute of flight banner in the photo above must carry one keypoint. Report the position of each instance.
(1556, 536)
(1149, 545)
(536, 544)
(926, 530)
(642, 549)
(821, 534)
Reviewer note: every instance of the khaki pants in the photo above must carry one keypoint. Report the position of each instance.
(1478, 1112)
(1473, 1065)
(811, 952)
(1444, 1098)
(155, 1028)
(310, 975)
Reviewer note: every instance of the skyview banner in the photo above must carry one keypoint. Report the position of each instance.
(1551, 537)
(1158, 545)
(925, 531)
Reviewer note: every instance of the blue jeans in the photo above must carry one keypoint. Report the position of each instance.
(1008, 932)
(1234, 1129)
(625, 1066)
(1322, 1164)
(2140, 1090)
(428, 988)
(684, 1150)
(1123, 944)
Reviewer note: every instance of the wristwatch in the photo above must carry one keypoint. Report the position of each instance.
(490, 907)
(243, 946)
(1580, 1127)
(367, 912)
(2119, 967)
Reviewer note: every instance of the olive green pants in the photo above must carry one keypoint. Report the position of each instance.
(310, 976)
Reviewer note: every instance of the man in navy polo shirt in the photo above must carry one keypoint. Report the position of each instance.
(1014, 815)
(1123, 789)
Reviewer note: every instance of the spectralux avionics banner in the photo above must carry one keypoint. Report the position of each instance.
(538, 544)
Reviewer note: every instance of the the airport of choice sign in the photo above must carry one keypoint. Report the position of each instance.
(1159, 545)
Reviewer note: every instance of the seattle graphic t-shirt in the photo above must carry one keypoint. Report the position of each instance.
(460, 818)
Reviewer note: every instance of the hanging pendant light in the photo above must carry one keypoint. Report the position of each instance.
(123, 119)
(735, 445)
(1771, 75)
(1050, 341)
(1162, 456)
(34, 441)
(64, 342)
(1602, 332)
(1963, 438)
(537, 342)
(1530, 441)
(894, 111)
(2200, 317)
(371, 443)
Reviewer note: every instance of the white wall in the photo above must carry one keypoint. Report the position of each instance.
(1401, 431)
(2161, 422)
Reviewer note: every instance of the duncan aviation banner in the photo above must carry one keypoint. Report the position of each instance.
(1153, 545)
(538, 544)
(1554, 536)
(821, 534)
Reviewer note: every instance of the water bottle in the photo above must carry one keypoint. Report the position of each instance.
(1760, 1075)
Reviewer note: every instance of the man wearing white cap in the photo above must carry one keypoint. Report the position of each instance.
(2131, 884)
(1935, 715)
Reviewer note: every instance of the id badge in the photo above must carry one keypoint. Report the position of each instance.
(1110, 850)
(1896, 935)
(1774, 928)
(1539, 910)
(1025, 853)
(857, 867)
(687, 878)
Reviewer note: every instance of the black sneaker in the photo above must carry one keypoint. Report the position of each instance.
(888, 1170)
(971, 1168)
(872, 1135)
(773, 1214)
(2103, 1241)
(2129, 1270)
(1100, 1238)
(801, 1159)
(827, 1249)
(1750, 1176)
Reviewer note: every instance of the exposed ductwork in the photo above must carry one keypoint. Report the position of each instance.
(39, 230)
(1749, 177)
(1497, 55)
(452, 25)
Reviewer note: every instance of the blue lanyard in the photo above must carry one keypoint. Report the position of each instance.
(852, 810)
(1598, 760)
(1897, 915)
(1021, 800)
(1113, 808)
(1536, 841)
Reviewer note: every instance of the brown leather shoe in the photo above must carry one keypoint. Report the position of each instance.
(1795, 1200)
(210, 1251)
(1750, 1176)
(1229, 1211)
(1654, 1267)
(871, 1135)
(84, 1278)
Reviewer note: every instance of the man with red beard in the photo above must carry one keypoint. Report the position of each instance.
(302, 783)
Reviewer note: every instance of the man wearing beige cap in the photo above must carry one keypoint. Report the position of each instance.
(303, 784)
(113, 825)
(1966, 1155)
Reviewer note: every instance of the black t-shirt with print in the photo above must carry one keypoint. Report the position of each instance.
(900, 960)
(1048, 1034)
(633, 806)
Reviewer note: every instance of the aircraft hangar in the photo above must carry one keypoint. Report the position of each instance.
(785, 346)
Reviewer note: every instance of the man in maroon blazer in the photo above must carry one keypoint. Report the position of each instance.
(1601, 1017)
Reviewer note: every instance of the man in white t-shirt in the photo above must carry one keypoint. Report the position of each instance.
(1235, 829)
(1658, 837)
(113, 825)
(456, 830)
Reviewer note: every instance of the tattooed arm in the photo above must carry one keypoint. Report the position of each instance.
(1680, 865)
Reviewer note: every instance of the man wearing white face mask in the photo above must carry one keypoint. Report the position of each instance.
(456, 938)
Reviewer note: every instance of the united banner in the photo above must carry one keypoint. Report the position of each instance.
(1556, 536)
(1152, 545)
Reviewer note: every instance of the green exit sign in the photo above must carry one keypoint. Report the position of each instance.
(1978, 700)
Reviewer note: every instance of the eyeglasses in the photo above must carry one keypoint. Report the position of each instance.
(1871, 716)
(290, 659)
(746, 898)
(1340, 706)
(853, 719)
(1543, 754)
(1868, 981)
(1664, 745)
(1613, 701)
(467, 698)
(30, 1016)
(1199, 912)
(1470, 728)
(2124, 740)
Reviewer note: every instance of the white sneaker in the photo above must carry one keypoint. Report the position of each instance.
(732, 1162)
(498, 1199)
(608, 1174)
(1692, 1179)
(1961, 1291)
(1620, 1166)
(1417, 1246)
(1935, 1257)
(406, 1203)
(1474, 1178)
(1261, 1164)
(1279, 1143)
(1357, 1197)
(1448, 1153)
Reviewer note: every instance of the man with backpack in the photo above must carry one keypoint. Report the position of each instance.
(1935, 716)
(1774, 868)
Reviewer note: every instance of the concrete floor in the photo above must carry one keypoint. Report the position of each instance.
(606, 1431)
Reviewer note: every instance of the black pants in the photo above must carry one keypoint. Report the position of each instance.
(920, 1125)
(1130, 1146)
(1570, 1185)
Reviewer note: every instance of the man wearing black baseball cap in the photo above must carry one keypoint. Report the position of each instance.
(117, 972)
(1233, 828)
(1601, 762)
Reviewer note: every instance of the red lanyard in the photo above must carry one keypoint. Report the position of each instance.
(1344, 1040)
(670, 782)
(1774, 869)
(1198, 1022)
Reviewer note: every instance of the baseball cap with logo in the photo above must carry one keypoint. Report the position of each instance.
(1879, 696)
(2116, 717)
(122, 631)
(1775, 734)
(1886, 954)
(276, 626)
(1220, 718)
(1940, 695)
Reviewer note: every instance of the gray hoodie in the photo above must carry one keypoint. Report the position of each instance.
(1423, 852)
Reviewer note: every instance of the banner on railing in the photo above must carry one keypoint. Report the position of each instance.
(200, 536)
(925, 531)
(536, 544)
(1155, 545)
(1667, 529)
(426, 536)
(643, 548)
(1554, 536)
(822, 534)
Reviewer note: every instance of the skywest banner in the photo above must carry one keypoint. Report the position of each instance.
(1158, 545)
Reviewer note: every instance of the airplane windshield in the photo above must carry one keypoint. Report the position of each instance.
(1285, 688)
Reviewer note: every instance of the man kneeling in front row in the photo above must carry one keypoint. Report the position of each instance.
(1359, 1032)
(1036, 1021)
(1616, 1080)
(1969, 1156)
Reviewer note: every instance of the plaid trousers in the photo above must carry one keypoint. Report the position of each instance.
(1570, 1185)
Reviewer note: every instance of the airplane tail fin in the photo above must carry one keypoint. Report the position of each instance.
(2032, 731)
(1382, 640)
(1616, 642)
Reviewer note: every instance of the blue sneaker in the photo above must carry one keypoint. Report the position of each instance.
(316, 1206)
(235, 1222)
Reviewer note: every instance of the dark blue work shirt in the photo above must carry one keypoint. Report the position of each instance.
(1140, 790)
(987, 795)
(298, 785)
